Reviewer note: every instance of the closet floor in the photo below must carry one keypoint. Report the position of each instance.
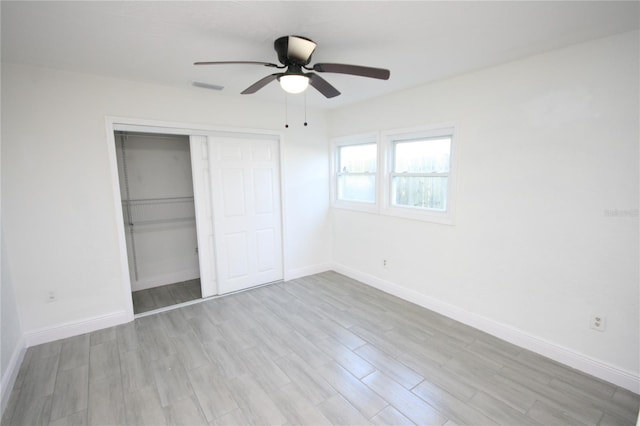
(166, 295)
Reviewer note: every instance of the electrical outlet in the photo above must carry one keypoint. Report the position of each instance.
(598, 322)
(51, 297)
(385, 264)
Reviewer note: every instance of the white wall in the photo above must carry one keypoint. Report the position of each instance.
(59, 213)
(12, 342)
(546, 147)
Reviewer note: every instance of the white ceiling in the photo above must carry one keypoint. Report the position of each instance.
(419, 41)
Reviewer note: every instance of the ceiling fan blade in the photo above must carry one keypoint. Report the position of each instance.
(322, 85)
(380, 73)
(266, 64)
(260, 84)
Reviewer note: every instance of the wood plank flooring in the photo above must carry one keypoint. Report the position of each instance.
(166, 295)
(323, 349)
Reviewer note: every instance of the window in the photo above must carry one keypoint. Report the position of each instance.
(418, 174)
(408, 174)
(355, 172)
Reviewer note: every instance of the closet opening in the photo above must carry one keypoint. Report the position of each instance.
(156, 187)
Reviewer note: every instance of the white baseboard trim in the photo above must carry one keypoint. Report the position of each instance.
(11, 374)
(62, 331)
(292, 274)
(160, 280)
(566, 356)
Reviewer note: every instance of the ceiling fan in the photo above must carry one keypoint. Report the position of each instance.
(294, 53)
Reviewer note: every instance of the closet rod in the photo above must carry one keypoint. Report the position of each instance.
(162, 221)
(159, 210)
(150, 135)
(160, 200)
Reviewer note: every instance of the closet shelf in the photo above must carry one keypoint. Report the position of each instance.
(151, 211)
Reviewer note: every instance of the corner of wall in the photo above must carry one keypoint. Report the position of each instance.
(11, 373)
(293, 274)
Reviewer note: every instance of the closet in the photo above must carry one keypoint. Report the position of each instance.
(157, 194)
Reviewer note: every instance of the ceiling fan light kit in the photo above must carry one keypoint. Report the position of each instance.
(294, 83)
(294, 53)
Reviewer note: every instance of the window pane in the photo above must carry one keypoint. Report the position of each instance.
(357, 158)
(422, 156)
(419, 192)
(357, 188)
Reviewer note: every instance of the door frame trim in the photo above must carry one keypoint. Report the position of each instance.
(113, 123)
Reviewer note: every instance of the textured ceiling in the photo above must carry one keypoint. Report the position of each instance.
(419, 41)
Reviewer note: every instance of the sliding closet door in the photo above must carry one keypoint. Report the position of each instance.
(245, 184)
(204, 215)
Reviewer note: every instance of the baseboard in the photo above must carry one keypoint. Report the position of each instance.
(165, 279)
(566, 356)
(62, 331)
(292, 274)
(11, 373)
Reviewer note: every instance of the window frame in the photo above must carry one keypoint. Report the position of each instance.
(389, 141)
(361, 139)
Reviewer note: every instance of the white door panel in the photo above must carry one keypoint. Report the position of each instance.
(237, 256)
(245, 186)
(263, 185)
(262, 153)
(199, 146)
(230, 153)
(265, 248)
(233, 191)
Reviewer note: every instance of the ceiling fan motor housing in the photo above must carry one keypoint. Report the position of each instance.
(294, 50)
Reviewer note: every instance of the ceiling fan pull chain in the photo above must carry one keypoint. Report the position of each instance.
(305, 109)
(286, 112)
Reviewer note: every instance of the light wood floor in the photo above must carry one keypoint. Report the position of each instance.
(166, 295)
(319, 350)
